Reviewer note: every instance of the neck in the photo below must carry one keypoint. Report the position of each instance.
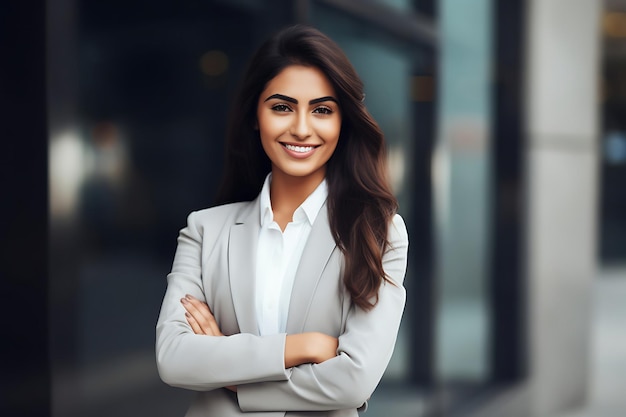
(287, 193)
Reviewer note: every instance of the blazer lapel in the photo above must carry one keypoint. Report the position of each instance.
(317, 251)
(242, 244)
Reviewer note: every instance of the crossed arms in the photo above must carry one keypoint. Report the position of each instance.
(307, 371)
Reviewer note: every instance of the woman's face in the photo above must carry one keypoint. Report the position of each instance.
(299, 121)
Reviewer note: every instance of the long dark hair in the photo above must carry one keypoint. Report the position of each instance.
(360, 201)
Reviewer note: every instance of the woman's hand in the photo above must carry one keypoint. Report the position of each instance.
(311, 347)
(200, 317)
(321, 346)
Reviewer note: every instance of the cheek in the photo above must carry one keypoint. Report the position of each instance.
(267, 140)
(329, 130)
(271, 127)
(331, 133)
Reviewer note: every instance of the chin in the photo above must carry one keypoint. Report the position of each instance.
(300, 172)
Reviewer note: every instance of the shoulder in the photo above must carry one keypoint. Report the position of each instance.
(218, 216)
(397, 230)
(223, 211)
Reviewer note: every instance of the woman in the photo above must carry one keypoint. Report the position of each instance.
(286, 299)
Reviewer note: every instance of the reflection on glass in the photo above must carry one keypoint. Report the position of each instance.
(404, 5)
(615, 148)
(67, 171)
(461, 173)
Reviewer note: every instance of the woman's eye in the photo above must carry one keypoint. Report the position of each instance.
(281, 108)
(323, 110)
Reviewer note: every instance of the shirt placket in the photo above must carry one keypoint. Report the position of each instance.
(275, 276)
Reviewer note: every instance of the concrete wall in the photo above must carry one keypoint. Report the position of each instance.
(562, 164)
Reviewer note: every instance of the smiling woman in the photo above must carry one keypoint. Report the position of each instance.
(299, 122)
(288, 296)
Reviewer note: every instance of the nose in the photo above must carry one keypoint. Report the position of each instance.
(301, 127)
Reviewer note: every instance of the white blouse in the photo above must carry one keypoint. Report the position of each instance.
(278, 257)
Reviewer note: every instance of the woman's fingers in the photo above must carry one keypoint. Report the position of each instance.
(200, 313)
(193, 316)
(195, 326)
(197, 316)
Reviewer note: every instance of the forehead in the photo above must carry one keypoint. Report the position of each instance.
(299, 81)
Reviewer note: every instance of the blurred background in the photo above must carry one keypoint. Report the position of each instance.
(506, 132)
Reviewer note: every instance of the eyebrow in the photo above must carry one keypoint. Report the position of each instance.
(294, 101)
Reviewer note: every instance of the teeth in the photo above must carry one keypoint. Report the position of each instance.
(301, 149)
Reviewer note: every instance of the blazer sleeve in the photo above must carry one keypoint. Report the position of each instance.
(365, 348)
(200, 362)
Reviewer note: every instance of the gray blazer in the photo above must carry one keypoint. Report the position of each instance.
(215, 261)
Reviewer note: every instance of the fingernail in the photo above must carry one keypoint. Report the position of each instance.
(187, 314)
(189, 297)
(184, 300)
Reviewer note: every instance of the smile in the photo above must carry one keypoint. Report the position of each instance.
(299, 149)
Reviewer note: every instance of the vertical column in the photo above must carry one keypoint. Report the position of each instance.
(561, 200)
(24, 375)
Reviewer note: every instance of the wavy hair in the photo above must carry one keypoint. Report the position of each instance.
(360, 201)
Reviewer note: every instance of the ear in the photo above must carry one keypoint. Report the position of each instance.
(256, 124)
